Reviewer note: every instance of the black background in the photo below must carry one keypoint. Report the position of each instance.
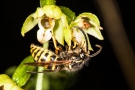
(103, 72)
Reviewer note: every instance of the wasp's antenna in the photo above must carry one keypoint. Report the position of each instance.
(86, 40)
(96, 53)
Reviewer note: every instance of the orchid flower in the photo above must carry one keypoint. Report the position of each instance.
(52, 23)
(90, 24)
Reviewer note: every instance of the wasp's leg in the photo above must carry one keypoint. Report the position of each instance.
(69, 48)
(57, 51)
(57, 48)
(55, 43)
(75, 42)
(67, 68)
(79, 61)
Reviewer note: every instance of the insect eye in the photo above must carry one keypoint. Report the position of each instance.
(82, 55)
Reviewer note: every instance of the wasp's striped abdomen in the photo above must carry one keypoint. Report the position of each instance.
(42, 55)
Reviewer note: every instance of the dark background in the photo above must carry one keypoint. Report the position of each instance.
(103, 72)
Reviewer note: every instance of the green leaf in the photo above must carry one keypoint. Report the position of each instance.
(58, 32)
(8, 84)
(47, 2)
(28, 24)
(70, 15)
(20, 76)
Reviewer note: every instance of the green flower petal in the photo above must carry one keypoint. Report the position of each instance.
(62, 31)
(91, 16)
(94, 31)
(39, 13)
(8, 83)
(66, 29)
(58, 32)
(28, 24)
(52, 11)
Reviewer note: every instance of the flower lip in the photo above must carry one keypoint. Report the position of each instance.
(45, 25)
(46, 22)
(43, 36)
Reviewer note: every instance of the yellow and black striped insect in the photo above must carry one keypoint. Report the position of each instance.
(69, 60)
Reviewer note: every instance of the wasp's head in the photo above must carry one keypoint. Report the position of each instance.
(78, 57)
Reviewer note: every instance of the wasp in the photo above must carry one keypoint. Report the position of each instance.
(67, 60)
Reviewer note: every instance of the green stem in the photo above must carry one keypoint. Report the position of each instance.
(39, 79)
(47, 2)
(40, 75)
(45, 45)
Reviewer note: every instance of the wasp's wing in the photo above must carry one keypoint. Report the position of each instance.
(47, 63)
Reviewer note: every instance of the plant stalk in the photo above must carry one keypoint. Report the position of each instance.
(41, 75)
(47, 2)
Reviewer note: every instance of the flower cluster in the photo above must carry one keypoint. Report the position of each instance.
(53, 24)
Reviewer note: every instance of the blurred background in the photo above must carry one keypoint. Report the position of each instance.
(105, 71)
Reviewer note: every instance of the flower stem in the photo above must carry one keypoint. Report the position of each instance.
(41, 75)
(45, 45)
(47, 2)
(39, 79)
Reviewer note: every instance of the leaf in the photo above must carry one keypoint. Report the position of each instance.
(20, 76)
(10, 70)
(7, 83)
(70, 15)
(28, 24)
